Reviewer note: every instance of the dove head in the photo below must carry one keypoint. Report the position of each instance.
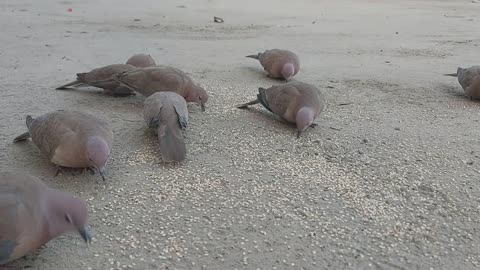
(98, 153)
(141, 60)
(198, 95)
(304, 119)
(288, 70)
(67, 213)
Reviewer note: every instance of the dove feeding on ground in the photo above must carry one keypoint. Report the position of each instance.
(32, 214)
(150, 80)
(71, 138)
(97, 77)
(167, 114)
(278, 63)
(296, 102)
(141, 60)
(469, 79)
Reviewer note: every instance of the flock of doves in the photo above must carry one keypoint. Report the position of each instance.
(32, 214)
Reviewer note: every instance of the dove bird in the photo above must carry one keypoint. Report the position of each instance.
(469, 79)
(167, 114)
(150, 80)
(296, 102)
(32, 214)
(278, 63)
(97, 78)
(71, 138)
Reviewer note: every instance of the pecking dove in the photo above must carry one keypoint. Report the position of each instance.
(469, 79)
(141, 60)
(296, 102)
(278, 63)
(162, 78)
(167, 113)
(71, 139)
(32, 214)
(97, 78)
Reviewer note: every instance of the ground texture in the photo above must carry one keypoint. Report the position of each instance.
(388, 180)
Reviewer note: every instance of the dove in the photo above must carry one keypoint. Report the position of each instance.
(97, 77)
(71, 138)
(278, 63)
(32, 214)
(167, 114)
(149, 80)
(296, 102)
(141, 60)
(469, 79)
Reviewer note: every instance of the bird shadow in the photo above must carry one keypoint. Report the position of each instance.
(455, 92)
(449, 90)
(260, 74)
(93, 91)
(265, 116)
(6, 267)
(275, 122)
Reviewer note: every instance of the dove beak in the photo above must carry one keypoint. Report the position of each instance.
(85, 235)
(299, 133)
(203, 107)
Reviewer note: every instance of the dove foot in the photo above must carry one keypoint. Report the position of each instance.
(313, 125)
(59, 171)
(90, 170)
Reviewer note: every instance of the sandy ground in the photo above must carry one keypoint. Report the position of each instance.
(388, 181)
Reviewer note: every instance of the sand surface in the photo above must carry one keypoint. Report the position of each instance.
(388, 180)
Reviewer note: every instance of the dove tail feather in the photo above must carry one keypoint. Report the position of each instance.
(262, 98)
(172, 144)
(22, 137)
(65, 86)
(254, 56)
(244, 105)
(6, 250)
(28, 120)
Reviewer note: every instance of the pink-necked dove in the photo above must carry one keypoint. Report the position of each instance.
(141, 60)
(167, 114)
(469, 79)
(278, 63)
(163, 78)
(295, 102)
(97, 78)
(32, 214)
(71, 139)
